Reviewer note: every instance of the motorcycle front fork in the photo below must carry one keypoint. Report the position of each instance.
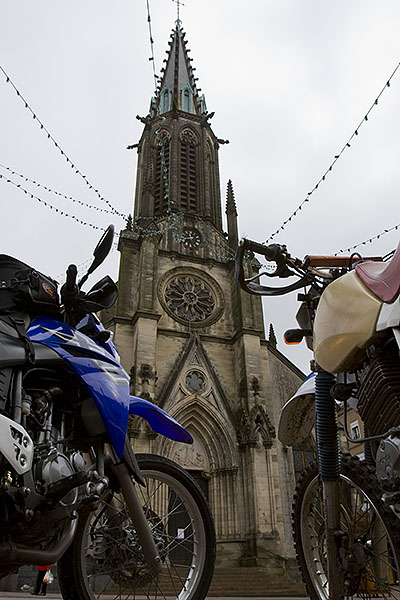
(329, 470)
(133, 504)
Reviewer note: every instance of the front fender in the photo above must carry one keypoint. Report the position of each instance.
(298, 416)
(159, 420)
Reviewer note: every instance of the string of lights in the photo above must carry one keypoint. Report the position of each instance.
(346, 146)
(176, 219)
(58, 147)
(173, 221)
(51, 191)
(83, 266)
(51, 206)
(368, 240)
(62, 276)
(134, 225)
(151, 58)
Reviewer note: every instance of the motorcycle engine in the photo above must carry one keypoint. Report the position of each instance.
(57, 467)
(388, 461)
(379, 408)
(379, 394)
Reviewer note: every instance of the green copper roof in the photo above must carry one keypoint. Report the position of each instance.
(177, 89)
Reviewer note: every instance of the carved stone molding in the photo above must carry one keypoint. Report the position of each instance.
(188, 136)
(191, 457)
(254, 428)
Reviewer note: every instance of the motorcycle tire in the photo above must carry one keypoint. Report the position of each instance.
(368, 541)
(105, 559)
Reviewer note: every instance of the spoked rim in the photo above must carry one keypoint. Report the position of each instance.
(113, 564)
(376, 574)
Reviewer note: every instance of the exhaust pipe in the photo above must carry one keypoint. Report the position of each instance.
(14, 553)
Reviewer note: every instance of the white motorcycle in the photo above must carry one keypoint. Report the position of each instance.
(346, 512)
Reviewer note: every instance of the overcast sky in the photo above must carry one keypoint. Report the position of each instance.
(289, 82)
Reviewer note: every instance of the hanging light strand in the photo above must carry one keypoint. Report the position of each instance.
(63, 154)
(173, 222)
(151, 57)
(368, 240)
(51, 206)
(134, 224)
(51, 191)
(346, 146)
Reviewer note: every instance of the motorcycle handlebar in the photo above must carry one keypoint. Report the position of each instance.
(69, 291)
(70, 283)
(337, 261)
(271, 253)
(308, 269)
(275, 253)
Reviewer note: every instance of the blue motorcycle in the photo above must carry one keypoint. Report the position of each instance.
(72, 491)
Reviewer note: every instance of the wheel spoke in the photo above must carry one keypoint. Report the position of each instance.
(369, 537)
(110, 555)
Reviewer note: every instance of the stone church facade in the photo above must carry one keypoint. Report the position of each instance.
(193, 342)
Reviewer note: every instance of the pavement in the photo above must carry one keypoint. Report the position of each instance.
(26, 595)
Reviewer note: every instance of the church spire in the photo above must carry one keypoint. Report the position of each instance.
(178, 170)
(177, 89)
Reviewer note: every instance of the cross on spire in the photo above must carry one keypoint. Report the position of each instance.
(178, 5)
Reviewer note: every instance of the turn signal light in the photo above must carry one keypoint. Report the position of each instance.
(295, 336)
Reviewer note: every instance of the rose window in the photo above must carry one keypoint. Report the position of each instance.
(189, 298)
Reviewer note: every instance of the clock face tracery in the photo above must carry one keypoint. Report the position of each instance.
(191, 297)
(191, 238)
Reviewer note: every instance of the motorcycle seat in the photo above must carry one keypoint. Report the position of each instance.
(382, 278)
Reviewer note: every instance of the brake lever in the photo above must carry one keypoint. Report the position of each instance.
(278, 272)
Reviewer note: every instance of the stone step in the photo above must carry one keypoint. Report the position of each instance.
(251, 582)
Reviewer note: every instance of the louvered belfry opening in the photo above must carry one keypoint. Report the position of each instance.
(188, 173)
(161, 182)
(178, 152)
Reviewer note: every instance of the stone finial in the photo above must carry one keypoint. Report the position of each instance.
(272, 336)
(231, 214)
(230, 199)
(129, 223)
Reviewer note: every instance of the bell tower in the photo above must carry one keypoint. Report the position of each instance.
(192, 341)
(178, 168)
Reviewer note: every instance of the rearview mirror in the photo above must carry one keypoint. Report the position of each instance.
(100, 252)
(102, 249)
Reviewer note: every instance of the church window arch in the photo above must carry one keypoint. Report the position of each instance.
(161, 173)
(188, 147)
(165, 101)
(187, 99)
(210, 171)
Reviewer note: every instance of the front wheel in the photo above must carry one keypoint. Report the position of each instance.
(368, 540)
(106, 560)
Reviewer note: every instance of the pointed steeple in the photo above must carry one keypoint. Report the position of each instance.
(178, 170)
(231, 214)
(177, 89)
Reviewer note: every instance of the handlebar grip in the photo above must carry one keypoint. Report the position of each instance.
(271, 252)
(70, 284)
(336, 261)
(70, 291)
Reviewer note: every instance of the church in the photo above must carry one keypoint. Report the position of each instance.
(193, 342)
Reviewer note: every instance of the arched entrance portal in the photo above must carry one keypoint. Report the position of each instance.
(211, 459)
